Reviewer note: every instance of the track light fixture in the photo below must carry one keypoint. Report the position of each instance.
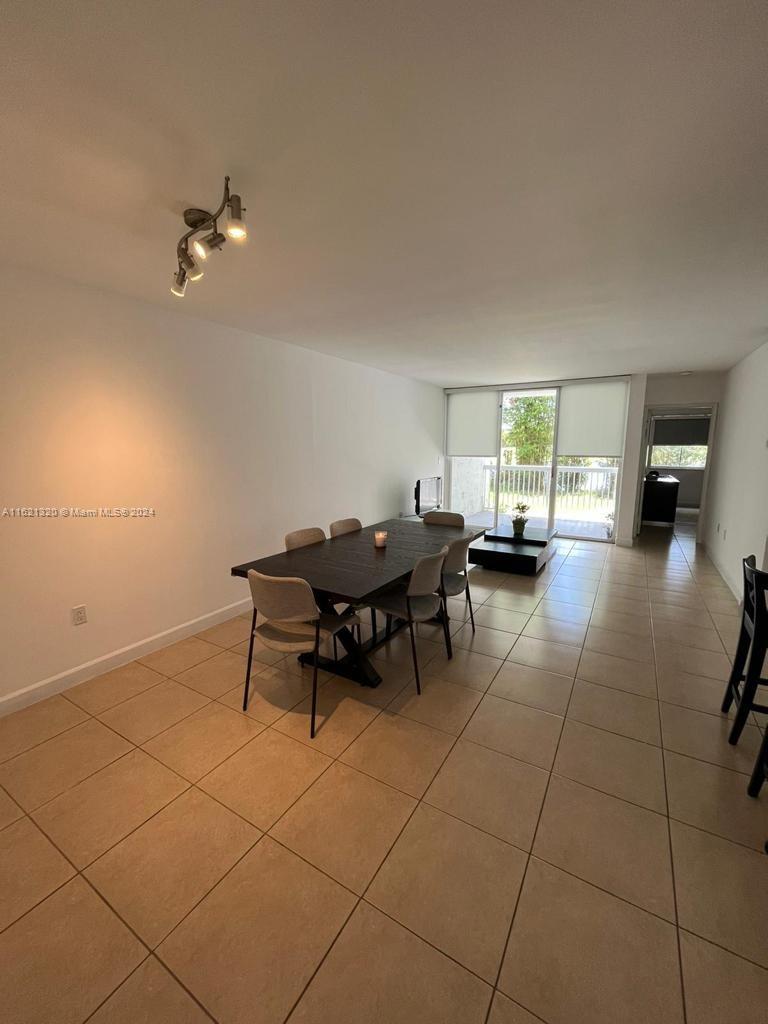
(179, 285)
(201, 222)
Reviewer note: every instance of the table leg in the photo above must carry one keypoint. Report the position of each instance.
(355, 664)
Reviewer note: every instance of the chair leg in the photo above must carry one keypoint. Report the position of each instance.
(737, 673)
(373, 622)
(758, 775)
(335, 649)
(469, 602)
(388, 629)
(446, 624)
(751, 682)
(314, 680)
(248, 666)
(413, 651)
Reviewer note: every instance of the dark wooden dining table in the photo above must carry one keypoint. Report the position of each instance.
(350, 570)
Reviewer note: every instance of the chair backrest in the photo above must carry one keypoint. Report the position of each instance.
(438, 518)
(755, 590)
(342, 526)
(301, 538)
(285, 598)
(456, 559)
(426, 575)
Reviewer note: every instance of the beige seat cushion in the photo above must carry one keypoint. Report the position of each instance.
(455, 583)
(299, 637)
(393, 603)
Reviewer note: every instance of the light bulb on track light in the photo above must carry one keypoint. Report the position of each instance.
(205, 246)
(193, 270)
(179, 285)
(236, 228)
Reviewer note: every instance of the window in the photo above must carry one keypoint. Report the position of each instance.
(557, 450)
(684, 456)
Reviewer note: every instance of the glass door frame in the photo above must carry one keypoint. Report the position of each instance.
(530, 390)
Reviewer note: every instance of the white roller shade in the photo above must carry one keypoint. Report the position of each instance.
(473, 423)
(682, 431)
(592, 419)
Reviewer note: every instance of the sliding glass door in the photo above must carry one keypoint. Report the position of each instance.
(557, 450)
(527, 449)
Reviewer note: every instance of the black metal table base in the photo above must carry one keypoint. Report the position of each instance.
(355, 664)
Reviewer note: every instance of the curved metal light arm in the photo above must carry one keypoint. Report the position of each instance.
(182, 246)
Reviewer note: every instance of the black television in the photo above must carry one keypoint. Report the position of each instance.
(428, 494)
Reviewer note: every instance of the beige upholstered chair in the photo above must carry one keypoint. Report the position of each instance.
(419, 601)
(294, 624)
(455, 575)
(439, 518)
(301, 538)
(342, 526)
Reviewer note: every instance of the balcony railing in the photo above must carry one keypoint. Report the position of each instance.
(583, 492)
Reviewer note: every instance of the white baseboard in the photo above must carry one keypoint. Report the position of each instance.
(64, 680)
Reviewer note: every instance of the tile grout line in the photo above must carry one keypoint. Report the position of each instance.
(681, 974)
(79, 874)
(361, 897)
(505, 948)
(151, 956)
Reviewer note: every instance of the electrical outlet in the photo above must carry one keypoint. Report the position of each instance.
(79, 615)
(725, 534)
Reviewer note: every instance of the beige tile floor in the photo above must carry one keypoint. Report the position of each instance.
(556, 831)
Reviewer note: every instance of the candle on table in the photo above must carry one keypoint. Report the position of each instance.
(380, 538)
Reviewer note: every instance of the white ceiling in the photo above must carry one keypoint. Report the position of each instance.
(464, 191)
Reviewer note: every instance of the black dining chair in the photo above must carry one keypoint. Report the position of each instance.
(751, 648)
(420, 601)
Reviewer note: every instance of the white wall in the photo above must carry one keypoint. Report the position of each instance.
(738, 489)
(232, 438)
(676, 389)
(630, 471)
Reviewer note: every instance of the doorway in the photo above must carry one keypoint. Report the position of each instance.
(678, 442)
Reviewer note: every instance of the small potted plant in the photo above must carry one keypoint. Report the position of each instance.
(519, 519)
